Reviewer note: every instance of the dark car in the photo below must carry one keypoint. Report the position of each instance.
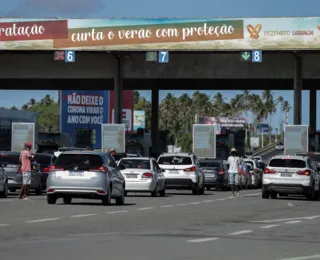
(44, 161)
(216, 174)
(3, 181)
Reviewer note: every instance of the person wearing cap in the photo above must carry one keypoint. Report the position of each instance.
(234, 162)
(113, 153)
(25, 159)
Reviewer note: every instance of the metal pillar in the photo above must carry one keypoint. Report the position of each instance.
(118, 93)
(297, 89)
(313, 111)
(155, 121)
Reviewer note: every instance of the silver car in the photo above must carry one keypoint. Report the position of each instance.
(87, 175)
(3, 181)
(143, 174)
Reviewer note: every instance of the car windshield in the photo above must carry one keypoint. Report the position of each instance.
(175, 160)
(210, 164)
(82, 160)
(249, 163)
(42, 159)
(10, 158)
(134, 164)
(287, 163)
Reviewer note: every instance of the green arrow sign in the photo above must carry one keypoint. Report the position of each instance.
(245, 55)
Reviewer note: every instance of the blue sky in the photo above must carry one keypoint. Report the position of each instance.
(164, 8)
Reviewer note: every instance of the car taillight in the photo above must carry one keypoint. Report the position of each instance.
(147, 175)
(269, 171)
(55, 168)
(46, 169)
(306, 172)
(221, 171)
(50, 190)
(192, 169)
(252, 173)
(100, 169)
(19, 171)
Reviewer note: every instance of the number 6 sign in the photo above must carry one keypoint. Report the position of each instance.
(70, 56)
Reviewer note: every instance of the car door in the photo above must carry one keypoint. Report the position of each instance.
(2, 178)
(114, 177)
(158, 172)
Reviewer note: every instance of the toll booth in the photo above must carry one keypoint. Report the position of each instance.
(51, 142)
(138, 143)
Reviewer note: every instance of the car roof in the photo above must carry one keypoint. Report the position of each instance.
(210, 160)
(83, 152)
(176, 154)
(137, 158)
(294, 157)
(9, 152)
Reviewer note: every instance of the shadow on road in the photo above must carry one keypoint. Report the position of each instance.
(95, 204)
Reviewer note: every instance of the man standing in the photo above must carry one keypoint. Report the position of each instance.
(234, 162)
(113, 153)
(25, 159)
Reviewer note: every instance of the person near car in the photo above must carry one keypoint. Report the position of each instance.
(25, 159)
(234, 162)
(112, 153)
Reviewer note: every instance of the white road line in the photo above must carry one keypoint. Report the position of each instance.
(146, 208)
(200, 240)
(269, 226)
(293, 222)
(42, 220)
(82, 216)
(194, 203)
(251, 194)
(285, 219)
(166, 206)
(91, 234)
(303, 257)
(207, 201)
(116, 212)
(180, 204)
(221, 199)
(241, 232)
(6, 200)
(4, 225)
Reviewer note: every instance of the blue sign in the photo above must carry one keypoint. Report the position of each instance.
(81, 109)
(163, 57)
(256, 56)
(70, 56)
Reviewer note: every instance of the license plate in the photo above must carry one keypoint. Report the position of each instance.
(76, 174)
(173, 172)
(286, 174)
(132, 176)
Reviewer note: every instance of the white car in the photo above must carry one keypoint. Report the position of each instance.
(287, 175)
(142, 174)
(258, 158)
(182, 171)
(280, 146)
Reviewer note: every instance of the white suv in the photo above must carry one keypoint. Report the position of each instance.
(286, 175)
(182, 171)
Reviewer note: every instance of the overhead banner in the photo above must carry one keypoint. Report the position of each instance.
(22, 133)
(204, 140)
(223, 123)
(113, 136)
(296, 139)
(82, 109)
(212, 34)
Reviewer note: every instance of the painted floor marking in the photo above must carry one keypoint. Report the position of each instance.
(42, 220)
(194, 203)
(286, 219)
(4, 225)
(82, 216)
(241, 232)
(116, 212)
(269, 226)
(200, 240)
(181, 204)
(293, 222)
(303, 257)
(91, 234)
(166, 206)
(146, 208)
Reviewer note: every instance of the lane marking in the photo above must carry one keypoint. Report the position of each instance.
(146, 208)
(303, 257)
(221, 199)
(115, 212)
(166, 206)
(82, 216)
(293, 222)
(251, 194)
(285, 219)
(194, 203)
(206, 201)
(9, 200)
(240, 232)
(180, 204)
(42, 220)
(91, 234)
(4, 225)
(269, 226)
(200, 240)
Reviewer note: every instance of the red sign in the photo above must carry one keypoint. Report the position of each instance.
(38, 30)
(127, 106)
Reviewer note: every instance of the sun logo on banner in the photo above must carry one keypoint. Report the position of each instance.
(254, 31)
(318, 27)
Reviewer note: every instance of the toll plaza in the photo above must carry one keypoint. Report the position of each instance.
(157, 54)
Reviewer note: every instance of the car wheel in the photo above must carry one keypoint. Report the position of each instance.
(312, 194)
(265, 193)
(120, 200)
(38, 191)
(154, 193)
(196, 189)
(106, 200)
(51, 199)
(4, 193)
(163, 192)
(67, 200)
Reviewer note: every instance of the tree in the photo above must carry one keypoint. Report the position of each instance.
(142, 104)
(270, 105)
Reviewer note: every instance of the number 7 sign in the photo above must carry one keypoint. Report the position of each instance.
(163, 57)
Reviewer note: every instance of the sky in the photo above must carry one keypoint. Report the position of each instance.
(164, 8)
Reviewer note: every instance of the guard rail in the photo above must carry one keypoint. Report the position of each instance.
(266, 149)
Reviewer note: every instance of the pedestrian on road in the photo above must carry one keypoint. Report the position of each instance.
(234, 162)
(112, 153)
(25, 159)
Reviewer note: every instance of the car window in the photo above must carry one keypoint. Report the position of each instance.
(249, 163)
(135, 164)
(42, 159)
(81, 160)
(210, 164)
(10, 158)
(175, 160)
(288, 163)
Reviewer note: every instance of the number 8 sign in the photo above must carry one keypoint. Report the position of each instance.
(70, 56)
(256, 56)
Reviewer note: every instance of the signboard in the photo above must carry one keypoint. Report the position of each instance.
(262, 128)
(126, 118)
(84, 109)
(231, 123)
(296, 139)
(22, 133)
(256, 56)
(139, 119)
(204, 140)
(147, 34)
(113, 136)
(254, 142)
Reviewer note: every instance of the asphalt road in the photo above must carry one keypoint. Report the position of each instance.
(267, 156)
(179, 226)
